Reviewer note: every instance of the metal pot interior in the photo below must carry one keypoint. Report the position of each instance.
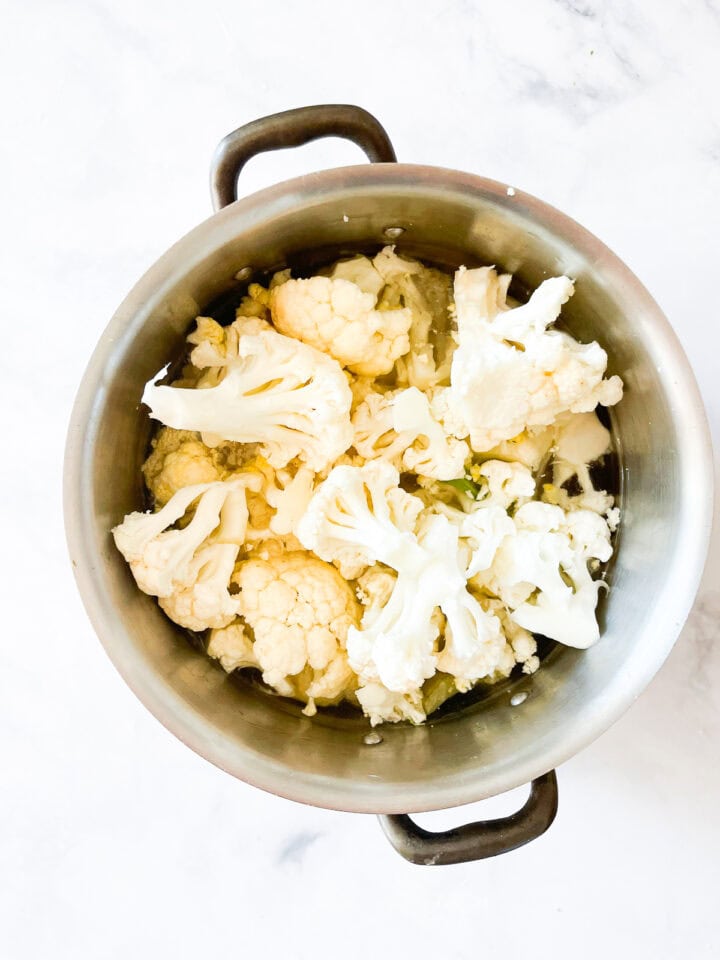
(487, 746)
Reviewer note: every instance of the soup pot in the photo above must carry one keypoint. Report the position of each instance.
(524, 728)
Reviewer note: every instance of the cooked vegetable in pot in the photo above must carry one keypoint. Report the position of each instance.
(374, 485)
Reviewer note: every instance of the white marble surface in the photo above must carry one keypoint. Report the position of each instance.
(115, 840)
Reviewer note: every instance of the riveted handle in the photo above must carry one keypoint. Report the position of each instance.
(479, 840)
(293, 128)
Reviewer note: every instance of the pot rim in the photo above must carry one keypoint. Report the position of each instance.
(696, 476)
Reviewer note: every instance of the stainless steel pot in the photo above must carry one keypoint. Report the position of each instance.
(491, 746)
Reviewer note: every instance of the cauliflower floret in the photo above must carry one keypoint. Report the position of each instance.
(483, 530)
(504, 484)
(337, 317)
(541, 572)
(300, 610)
(374, 436)
(445, 411)
(381, 705)
(216, 347)
(475, 646)
(398, 282)
(289, 397)
(213, 343)
(598, 501)
(232, 647)
(178, 459)
(392, 267)
(398, 427)
(203, 601)
(509, 371)
(353, 519)
(572, 444)
(428, 294)
(531, 448)
(395, 644)
(483, 523)
(362, 272)
(429, 297)
(479, 294)
(432, 453)
(359, 515)
(257, 301)
(189, 569)
(580, 440)
(523, 643)
(612, 518)
(250, 306)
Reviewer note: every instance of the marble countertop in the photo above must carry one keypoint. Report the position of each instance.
(117, 841)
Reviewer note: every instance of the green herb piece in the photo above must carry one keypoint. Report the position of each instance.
(465, 485)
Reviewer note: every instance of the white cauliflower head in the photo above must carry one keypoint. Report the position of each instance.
(300, 610)
(522, 642)
(203, 601)
(362, 272)
(381, 705)
(432, 452)
(530, 448)
(396, 642)
(580, 440)
(483, 530)
(374, 436)
(338, 317)
(475, 646)
(398, 282)
(541, 572)
(232, 647)
(428, 294)
(509, 371)
(399, 427)
(394, 645)
(358, 516)
(188, 569)
(178, 459)
(479, 294)
(503, 484)
(271, 389)
(353, 520)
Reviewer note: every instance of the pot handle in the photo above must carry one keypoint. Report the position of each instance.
(479, 840)
(293, 128)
